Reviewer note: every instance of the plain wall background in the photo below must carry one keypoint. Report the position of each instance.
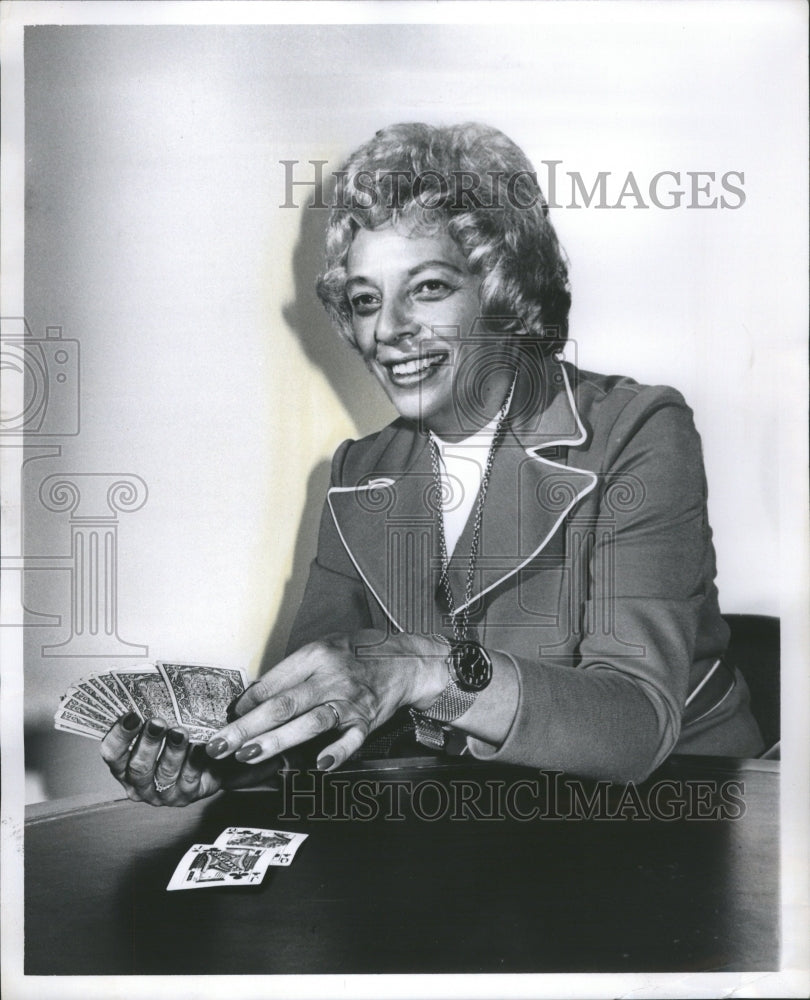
(154, 237)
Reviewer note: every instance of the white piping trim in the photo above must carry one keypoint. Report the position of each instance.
(694, 694)
(580, 439)
(531, 452)
(374, 484)
(582, 493)
(716, 705)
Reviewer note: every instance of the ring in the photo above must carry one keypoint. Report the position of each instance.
(328, 704)
(163, 788)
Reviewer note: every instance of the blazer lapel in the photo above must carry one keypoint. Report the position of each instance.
(387, 523)
(531, 492)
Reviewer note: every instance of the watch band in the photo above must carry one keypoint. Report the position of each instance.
(451, 703)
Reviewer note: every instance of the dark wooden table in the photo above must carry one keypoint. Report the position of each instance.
(681, 874)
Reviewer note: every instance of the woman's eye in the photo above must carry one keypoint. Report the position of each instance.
(432, 288)
(364, 303)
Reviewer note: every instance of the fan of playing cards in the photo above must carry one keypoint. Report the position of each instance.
(189, 695)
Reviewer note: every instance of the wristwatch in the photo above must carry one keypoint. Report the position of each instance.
(470, 669)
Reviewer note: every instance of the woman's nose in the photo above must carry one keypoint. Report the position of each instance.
(394, 321)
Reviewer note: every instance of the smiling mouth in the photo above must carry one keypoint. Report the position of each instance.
(406, 373)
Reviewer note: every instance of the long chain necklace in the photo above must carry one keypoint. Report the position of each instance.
(461, 620)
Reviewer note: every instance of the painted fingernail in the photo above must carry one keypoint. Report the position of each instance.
(249, 752)
(230, 711)
(155, 729)
(325, 762)
(175, 737)
(216, 746)
(131, 721)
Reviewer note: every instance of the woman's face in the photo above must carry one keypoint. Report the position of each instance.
(414, 302)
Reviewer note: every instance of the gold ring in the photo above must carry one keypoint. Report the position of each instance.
(328, 704)
(163, 788)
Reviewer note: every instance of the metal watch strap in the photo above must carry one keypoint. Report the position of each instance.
(451, 703)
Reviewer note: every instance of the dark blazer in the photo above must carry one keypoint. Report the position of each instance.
(595, 573)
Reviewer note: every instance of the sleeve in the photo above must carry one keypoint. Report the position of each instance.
(617, 714)
(334, 598)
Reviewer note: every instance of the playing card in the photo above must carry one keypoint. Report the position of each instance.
(107, 690)
(201, 695)
(66, 728)
(148, 693)
(79, 704)
(194, 695)
(81, 701)
(75, 723)
(89, 690)
(279, 845)
(206, 865)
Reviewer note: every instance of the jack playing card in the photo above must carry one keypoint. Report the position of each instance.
(280, 846)
(205, 866)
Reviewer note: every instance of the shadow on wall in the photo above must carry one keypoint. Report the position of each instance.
(358, 392)
(355, 387)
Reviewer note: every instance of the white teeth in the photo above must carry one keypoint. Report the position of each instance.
(413, 367)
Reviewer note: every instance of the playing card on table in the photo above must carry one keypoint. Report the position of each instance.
(279, 845)
(147, 692)
(201, 695)
(206, 865)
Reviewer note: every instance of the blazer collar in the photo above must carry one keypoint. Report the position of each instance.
(388, 523)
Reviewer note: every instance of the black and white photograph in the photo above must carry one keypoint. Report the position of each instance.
(405, 504)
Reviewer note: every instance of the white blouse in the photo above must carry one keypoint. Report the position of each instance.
(461, 469)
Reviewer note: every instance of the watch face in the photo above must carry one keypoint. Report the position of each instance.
(472, 665)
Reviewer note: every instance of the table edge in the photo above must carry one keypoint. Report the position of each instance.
(41, 812)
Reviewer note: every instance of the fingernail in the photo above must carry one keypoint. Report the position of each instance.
(155, 729)
(249, 752)
(216, 746)
(175, 737)
(325, 762)
(131, 721)
(230, 711)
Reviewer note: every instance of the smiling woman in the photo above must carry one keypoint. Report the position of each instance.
(520, 566)
(414, 303)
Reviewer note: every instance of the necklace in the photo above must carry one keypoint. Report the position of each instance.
(460, 621)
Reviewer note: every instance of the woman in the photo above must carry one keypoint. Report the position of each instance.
(522, 561)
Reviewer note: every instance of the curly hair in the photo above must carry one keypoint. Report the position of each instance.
(473, 182)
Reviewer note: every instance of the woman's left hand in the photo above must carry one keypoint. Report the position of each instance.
(351, 682)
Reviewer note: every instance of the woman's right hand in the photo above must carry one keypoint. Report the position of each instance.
(157, 765)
